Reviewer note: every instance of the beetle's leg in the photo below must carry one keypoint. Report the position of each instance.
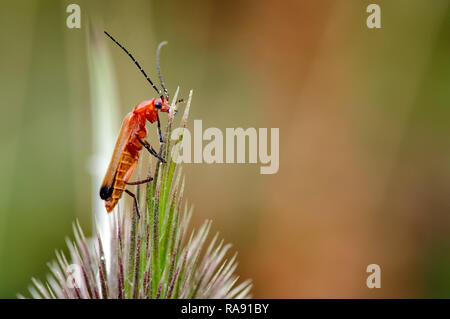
(135, 202)
(176, 102)
(128, 175)
(150, 149)
(143, 181)
(159, 129)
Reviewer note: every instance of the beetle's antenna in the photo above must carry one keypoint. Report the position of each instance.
(159, 70)
(137, 64)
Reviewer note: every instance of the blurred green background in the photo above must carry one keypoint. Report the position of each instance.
(364, 134)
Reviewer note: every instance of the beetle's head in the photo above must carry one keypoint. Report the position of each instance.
(161, 105)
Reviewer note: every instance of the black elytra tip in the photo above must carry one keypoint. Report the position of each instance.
(106, 192)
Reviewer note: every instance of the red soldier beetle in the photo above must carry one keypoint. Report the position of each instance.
(131, 139)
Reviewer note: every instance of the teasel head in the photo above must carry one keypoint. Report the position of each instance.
(153, 256)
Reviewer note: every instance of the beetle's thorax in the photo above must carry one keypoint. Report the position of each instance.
(147, 109)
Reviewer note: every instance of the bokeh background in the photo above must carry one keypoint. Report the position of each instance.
(364, 124)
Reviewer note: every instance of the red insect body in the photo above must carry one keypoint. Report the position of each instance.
(126, 152)
(131, 139)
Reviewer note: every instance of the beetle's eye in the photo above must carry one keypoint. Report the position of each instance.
(158, 105)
